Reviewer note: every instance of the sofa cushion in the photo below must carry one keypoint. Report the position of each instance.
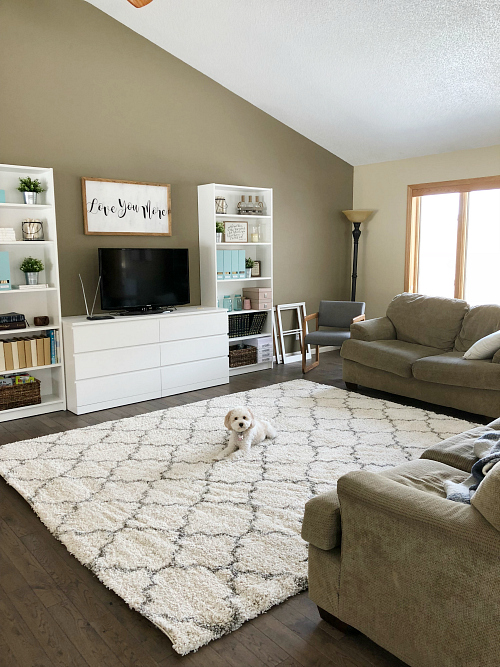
(425, 475)
(487, 497)
(451, 369)
(458, 450)
(327, 337)
(427, 320)
(394, 356)
(479, 322)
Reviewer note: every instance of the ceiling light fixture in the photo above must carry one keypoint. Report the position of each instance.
(140, 3)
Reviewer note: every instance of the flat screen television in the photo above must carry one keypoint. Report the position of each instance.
(143, 279)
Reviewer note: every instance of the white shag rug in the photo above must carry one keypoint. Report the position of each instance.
(199, 546)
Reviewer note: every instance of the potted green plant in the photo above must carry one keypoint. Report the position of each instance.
(248, 267)
(30, 187)
(31, 267)
(219, 231)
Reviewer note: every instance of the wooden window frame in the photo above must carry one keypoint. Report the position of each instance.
(415, 192)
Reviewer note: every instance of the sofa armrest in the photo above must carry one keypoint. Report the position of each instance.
(455, 520)
(380, 328)
(321, 525)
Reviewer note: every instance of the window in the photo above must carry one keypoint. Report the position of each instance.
(453, 239)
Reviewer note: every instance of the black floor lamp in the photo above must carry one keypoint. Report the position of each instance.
(356, 217)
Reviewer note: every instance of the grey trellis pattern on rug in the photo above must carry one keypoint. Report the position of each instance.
(199, 546)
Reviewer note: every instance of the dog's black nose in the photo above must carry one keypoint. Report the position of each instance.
(241, 424)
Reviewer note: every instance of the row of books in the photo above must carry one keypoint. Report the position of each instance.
(30, 352)
(230, 264)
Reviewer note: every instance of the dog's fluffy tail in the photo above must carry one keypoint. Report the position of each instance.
(270, 430)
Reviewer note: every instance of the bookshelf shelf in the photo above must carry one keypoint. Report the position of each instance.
(26, 242)
(26, 206)
(38, 301)
(242, 216)
(29, 291)
(27, 331)
(213, 290)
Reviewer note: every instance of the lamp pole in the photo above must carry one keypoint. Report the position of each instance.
(356, 233)
(356, 217)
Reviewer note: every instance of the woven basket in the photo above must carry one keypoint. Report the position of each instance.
(20, 395)
(244, 357)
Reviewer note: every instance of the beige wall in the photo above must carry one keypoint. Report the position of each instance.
(383, 187)
(83, 94)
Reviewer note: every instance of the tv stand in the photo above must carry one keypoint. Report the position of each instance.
(116, 362)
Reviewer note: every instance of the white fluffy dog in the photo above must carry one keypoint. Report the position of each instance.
(245, 432)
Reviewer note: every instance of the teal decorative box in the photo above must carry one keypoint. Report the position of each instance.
(4, 271)
(2, 196)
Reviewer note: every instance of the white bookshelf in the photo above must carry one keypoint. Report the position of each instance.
(36, 302)
(213, 290)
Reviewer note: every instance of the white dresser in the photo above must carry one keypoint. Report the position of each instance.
(137, 358)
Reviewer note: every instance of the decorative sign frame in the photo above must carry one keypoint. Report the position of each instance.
(236, 232)
(123, 208)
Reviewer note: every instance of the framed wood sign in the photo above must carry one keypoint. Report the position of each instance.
(236, 232)
(126, 207)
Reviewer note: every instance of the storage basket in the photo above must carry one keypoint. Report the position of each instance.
(243, 357)
(20, 395)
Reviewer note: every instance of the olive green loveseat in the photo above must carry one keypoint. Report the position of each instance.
(415, 572)
(416, 351)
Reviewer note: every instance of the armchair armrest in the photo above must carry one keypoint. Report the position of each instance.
(380, 328)
(321, 524)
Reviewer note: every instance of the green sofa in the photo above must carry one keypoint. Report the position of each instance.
(419, 574)
(416, 351)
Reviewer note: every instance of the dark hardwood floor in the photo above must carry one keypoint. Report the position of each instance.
(55, 613)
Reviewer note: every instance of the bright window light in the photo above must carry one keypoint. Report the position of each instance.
(482, 274)
(438, 244)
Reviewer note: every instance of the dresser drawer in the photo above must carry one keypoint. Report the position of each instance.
(121, 360)
(193, 372)
(121, 386)
(182, 351)
(203, 324)
(88, 338)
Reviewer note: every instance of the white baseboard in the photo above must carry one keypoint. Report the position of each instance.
(328, 348)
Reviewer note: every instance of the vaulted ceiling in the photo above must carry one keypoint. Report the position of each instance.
(369, 80)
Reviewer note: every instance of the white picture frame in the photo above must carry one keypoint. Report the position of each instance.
(123, 208)
(236, 232)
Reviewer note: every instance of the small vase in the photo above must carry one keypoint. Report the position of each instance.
(218, 237)
(248, 273)
(30, 197)
(31, 277)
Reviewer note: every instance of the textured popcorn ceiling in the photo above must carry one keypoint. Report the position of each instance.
(369, 80)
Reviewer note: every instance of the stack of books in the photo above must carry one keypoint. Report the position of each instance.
(31, 287)
(7, 234)
(12, 321)
(43, 350)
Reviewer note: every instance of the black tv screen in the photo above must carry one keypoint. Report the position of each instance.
(136, 278)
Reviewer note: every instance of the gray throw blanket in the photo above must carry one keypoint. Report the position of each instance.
(487, 449)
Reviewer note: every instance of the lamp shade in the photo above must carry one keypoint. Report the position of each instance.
(357, 216)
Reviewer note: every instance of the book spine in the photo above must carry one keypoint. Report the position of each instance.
(46, 351)
(58, 348)
(52, 346)
(14, 317)
(27, 353)
(34, 361)
(15, 355)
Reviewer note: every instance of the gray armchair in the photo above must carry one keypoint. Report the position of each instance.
(338, 317)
